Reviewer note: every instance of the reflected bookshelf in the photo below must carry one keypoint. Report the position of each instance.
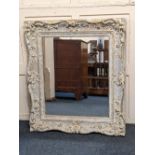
(98, 78)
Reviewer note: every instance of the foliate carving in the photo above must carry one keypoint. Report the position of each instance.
(119, 79)
(39, 121)
(73, 25)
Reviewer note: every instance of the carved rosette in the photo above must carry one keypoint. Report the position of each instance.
(116, 29)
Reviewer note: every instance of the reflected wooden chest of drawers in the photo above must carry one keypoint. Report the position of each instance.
(71, 67)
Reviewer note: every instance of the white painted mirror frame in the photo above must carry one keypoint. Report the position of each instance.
(115, 29)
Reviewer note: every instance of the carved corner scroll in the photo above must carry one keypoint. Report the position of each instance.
(39, 121)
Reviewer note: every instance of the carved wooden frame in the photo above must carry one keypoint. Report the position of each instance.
(115, 29)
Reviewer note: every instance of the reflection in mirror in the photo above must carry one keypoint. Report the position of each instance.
(76, 79)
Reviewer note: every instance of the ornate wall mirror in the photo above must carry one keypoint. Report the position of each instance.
(76, 75)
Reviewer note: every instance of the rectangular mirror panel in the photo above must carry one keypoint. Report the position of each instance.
(76, 75)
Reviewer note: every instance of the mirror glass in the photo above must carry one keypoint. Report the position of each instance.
(76, 75)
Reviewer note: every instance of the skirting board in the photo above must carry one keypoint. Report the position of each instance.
(24, 117)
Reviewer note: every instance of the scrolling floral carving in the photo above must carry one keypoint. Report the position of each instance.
(39, 121)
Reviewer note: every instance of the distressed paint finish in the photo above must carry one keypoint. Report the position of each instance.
(115, 29)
